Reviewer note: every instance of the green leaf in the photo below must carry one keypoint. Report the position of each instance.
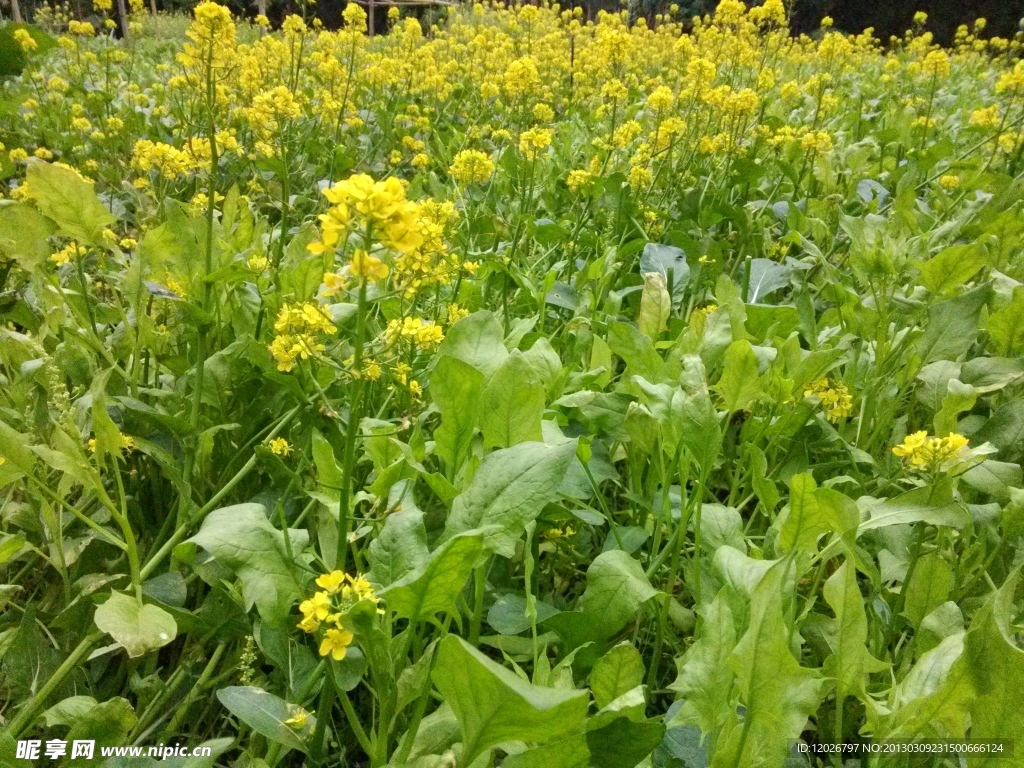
(911, 507)
(952, 267)
(433, 588)
(328, 472)
(455, 386)
(618, 671)
(400, 549)
(509, 490)
(478, 340)
(69, 200)
(242, 539)
(766, 277)
(68, 711)
(23, 234)
(812, 512)
(637, 350)
(655, 306)
(623, 743)
(996, 663)
(570, 752)
(137, 628)
(108, 724)
(266, 713)
(662, 258)
(705, 680)
(739, 385)
(494, 705)
(929, 587)
(513, 402)
(1005, 326)
(779, 694)
(850, 660)
(616, 588)
(934, 699)
(952, 326)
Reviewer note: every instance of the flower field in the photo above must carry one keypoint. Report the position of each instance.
(510, 388)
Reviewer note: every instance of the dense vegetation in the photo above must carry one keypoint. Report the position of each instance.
(516, 390)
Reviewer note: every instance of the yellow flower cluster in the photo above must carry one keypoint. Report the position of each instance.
(470, 166)
(424, 334)
(834, 397)
(68, 253)
(377, 207)
(297, 328)
(920, 451)
(338, 593)
(24, 40)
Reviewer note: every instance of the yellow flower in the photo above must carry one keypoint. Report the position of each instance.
(471, 166)
(316, 608)
(258, 263)
(949, 182)
(365, 266)
(936, 63)
(280, 447)
(333, 283)
(298, 720)
(336, 643)
(920, 451)
(332, 582)
(24, 40)
(835, 398)
(987, 117)
(532, 140)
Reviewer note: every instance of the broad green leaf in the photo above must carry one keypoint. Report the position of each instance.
(911, 507)
(328, 472)
(455, 387)
(477, 340)
(509, 490)
(494, 705)
(570, 752)
(512, 404)
(616, 588)
(433, 588)
(266, 714)
(107, 724)
(661, 259)
(812, 512)
(637, 350)
(137, 628)
(242, 539)
(944, 621)
(952, 326)
(618, 671)
(928, 588)
(952, 267)
(766, 277)
(996, 663)
(960, 397)
(934, 699)
(1005, 430)
(23, 234)
(704, 681)
(64, 196)
(777, 693)
(623, 743)
(850, 660)
(739, 385)
(400, 549)
(69, 711)
(1005, 326)
(655, 306)
(728, 298)
(509, 616)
